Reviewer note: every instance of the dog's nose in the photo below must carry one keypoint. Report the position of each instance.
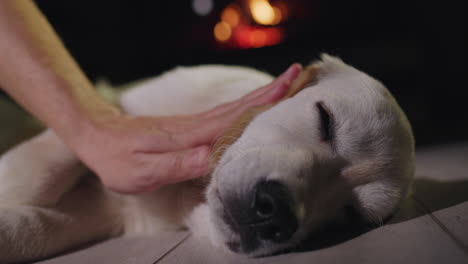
(265, 214)
(274, 218)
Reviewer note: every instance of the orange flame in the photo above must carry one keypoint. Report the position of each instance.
(235, 30)
(264, 13)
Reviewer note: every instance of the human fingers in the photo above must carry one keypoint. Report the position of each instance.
(189, 131)
(257, 95)
(288, 76)
(208, 129)
(174, 167)
(270, 92)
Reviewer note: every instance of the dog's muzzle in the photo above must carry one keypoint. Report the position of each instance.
(263, 215)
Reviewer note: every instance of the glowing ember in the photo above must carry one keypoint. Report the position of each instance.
(231, 15)
(255, 37)
(222, 31)
(258, 38)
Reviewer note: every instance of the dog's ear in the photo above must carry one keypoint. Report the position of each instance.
(305, 79)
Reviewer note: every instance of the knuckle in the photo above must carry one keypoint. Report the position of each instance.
(176, 166)
(143, 179)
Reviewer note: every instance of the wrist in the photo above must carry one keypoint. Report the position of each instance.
(87, 117)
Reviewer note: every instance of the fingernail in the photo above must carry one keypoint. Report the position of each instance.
(293, 71)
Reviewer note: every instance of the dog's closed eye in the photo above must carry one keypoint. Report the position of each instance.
(326, 123)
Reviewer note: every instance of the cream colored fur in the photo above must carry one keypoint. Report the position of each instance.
(50, 203)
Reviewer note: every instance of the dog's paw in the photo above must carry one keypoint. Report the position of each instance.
(201, 225)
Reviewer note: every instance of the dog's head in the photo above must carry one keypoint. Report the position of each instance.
(342, 140)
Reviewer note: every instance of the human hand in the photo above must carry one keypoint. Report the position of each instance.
(138, 154)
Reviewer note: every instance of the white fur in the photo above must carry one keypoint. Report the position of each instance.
(48, 205)
(193, 89)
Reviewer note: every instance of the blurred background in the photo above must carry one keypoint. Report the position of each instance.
(417, 50)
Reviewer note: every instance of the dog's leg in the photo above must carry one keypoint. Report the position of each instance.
(84, 214)
(375, 202)
(38, 171)
(43, 208)
(375, 198)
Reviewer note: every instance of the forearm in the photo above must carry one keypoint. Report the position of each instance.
(38, 72)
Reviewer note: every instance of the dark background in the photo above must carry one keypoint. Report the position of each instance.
(417, 49)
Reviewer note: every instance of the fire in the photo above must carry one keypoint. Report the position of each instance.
(264, 13)
(236, 27)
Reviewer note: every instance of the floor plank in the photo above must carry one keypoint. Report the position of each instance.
(136, 250)
(455, 220)
(442, 188)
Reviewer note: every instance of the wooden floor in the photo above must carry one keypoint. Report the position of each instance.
(430, 227)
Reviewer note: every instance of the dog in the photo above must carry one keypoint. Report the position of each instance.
(283, 171)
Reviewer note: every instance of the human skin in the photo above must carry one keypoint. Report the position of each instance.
(129, 154)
